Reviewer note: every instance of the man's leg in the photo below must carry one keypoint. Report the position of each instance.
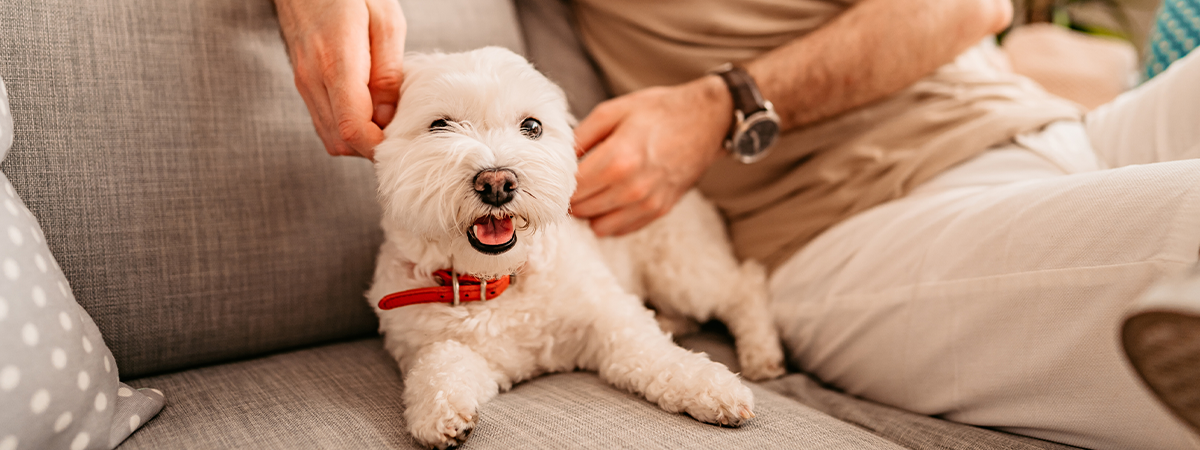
(1158, 121)
(999, 305)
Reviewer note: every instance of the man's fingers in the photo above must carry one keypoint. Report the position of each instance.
(604, 168)
(615, 197)
(622, 221)
(324, 122)
(387, 30)
(352, 111)
(591, 207)
(350, 101)
(633, 216)
(598, 125)
(329, 46)
(609, 163)
(317, 100)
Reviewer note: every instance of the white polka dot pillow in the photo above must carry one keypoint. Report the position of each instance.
(58, 382)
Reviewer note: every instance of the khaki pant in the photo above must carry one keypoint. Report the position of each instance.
(993, 294)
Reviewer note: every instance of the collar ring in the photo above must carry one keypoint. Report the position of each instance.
(454, 283)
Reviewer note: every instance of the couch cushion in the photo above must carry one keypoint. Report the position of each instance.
(553, 46)
(348, 395)
(461, 25)
(6, 125)
(905, 428)
(58, 383)
(57, 377)
(908, 429)
(175, 170)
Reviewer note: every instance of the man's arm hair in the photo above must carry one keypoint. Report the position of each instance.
(872, 50)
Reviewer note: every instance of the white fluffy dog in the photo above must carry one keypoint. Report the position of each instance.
(475, 177)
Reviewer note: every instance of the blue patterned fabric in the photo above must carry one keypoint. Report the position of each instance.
(1176, 32)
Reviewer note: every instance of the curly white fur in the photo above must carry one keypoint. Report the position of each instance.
(578, 301)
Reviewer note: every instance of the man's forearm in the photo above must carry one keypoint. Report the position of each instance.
(874, 49)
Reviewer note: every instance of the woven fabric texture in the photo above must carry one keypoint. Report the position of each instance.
(58, 383)
(348, 395)
(556, 50)
(907, 429)
(902, 427)
(180, 183)
(6, 125)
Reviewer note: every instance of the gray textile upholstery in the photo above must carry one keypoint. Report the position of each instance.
(6, 125)
(461, 25)
(907, 429)
(176, 173)
(902, 427)
(58, 381)
(348, 396)
(59, 386)
(556, 50)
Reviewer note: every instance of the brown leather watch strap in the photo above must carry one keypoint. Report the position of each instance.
(744, 90)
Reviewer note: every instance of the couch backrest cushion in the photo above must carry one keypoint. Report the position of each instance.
(6, 125)
(163, 147)
(554, 47)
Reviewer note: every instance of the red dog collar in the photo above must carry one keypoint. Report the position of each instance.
(454, 288)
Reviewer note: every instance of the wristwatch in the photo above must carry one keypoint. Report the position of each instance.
(755, 124)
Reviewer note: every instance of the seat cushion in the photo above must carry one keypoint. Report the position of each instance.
(907, 429)
(902, 427)
(175, 170)
(348, 395)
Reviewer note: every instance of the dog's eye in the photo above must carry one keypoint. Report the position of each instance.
(439, 125)
(531, 128)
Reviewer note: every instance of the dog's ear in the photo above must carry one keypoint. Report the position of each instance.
(414, 64)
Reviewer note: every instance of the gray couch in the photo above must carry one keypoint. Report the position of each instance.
(224, 255)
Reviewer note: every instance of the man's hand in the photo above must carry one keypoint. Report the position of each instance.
(347, 57)
(645, 150)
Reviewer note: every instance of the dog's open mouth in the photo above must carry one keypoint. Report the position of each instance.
(492, 235)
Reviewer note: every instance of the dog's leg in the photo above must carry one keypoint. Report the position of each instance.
(632, 353)
(693, 271)
(442, 393)
(676, 325)
(745, 314)
(737, 296)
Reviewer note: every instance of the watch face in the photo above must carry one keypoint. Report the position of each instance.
(756, 138)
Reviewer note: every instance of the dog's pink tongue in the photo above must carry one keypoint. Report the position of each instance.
(492, 231)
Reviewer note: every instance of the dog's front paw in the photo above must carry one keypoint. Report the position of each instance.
(728, 406)
(713, 395)
(761, 363)
(444, 427)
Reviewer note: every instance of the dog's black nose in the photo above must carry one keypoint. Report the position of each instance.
(495, 186)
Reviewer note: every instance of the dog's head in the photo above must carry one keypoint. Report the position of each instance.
(480, 156)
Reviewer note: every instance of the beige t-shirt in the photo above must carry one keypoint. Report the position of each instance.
(821, 174)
